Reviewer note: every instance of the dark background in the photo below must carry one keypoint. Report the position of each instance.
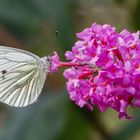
(32, 25)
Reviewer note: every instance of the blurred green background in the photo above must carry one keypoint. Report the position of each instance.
(32, 25)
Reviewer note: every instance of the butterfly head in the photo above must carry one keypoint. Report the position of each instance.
(46, 63)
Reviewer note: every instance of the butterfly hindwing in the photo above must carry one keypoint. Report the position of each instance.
(21, 77)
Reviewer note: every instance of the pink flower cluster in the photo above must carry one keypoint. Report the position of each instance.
(104, 69)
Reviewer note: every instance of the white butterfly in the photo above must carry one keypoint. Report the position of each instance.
(22, 75)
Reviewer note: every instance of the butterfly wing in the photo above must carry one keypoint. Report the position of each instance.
(21, 77)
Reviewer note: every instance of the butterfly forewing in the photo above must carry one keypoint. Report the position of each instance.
(21, 77)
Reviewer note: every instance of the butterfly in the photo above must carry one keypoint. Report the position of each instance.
(22, 76)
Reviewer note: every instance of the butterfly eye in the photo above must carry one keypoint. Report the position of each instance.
(48, 59)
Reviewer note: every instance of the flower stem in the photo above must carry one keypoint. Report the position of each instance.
(84, 75)
(67, 64)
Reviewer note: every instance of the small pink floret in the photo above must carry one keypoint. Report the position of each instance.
(54, 62)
